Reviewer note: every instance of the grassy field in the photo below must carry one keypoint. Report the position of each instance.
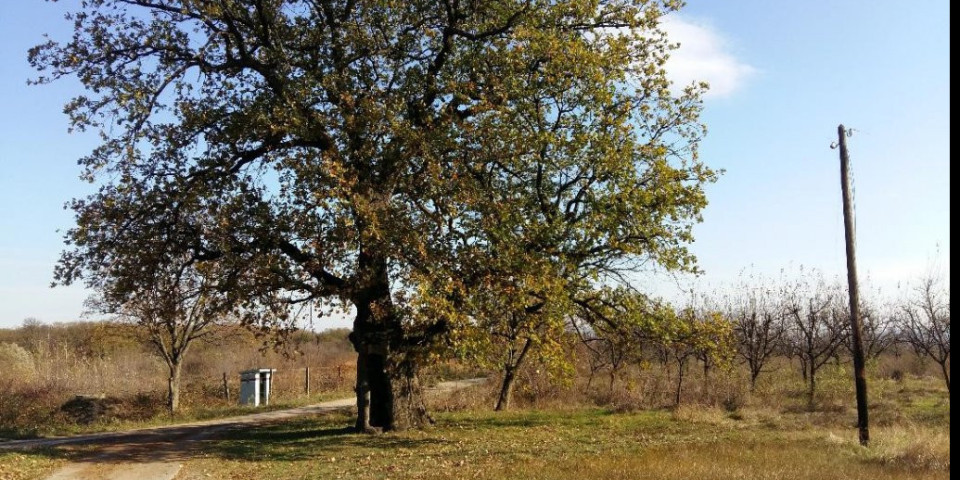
(582, 443)
(695, 442)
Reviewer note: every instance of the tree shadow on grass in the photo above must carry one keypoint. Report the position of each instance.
(280, 440)
(529, 419)
(303, 439)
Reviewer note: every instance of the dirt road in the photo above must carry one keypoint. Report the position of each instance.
(158, 453)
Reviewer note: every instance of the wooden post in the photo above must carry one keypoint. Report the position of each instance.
(850, 235)
(226, 389)
(306, 381)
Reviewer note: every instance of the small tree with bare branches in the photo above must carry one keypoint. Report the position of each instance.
(180, 310)
(924, 321)
(818, 327)
(758, 324)
(878, 328)
(175, 305)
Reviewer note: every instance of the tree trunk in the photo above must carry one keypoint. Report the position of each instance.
(506, 390)
(680, 365)
(363, 395)
(511, 367)
(401, 403)
(754, 373)
(389, 394)
(173, 388)
(706, 378)
(812, 389)
(946, 374)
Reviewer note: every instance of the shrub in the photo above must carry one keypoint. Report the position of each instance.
(17, 362)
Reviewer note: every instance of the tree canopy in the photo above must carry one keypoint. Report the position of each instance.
(392, 156)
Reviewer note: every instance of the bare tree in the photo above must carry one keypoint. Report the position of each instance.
(614, 325)
(819, 329)
(595, 347)
(878, 329)
(177, 307)
(758, 324)
(925, 322)
(617, 347)
(620, 347)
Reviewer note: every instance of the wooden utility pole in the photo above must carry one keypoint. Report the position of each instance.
(855, 330)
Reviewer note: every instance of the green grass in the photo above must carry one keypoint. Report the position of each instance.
(587, 443)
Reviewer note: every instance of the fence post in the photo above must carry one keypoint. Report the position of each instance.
(226, 389)
(306, 381)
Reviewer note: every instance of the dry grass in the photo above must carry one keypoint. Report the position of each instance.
(910, 447)
(556, 429)
(49, 365)
(707, 415)
(18, 466)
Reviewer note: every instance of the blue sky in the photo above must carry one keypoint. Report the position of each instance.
(784, 75)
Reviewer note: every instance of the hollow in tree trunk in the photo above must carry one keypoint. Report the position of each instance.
(389, 394)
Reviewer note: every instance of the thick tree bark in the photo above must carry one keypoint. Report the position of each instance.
(407, 409)
(363, 395)
(389, 394)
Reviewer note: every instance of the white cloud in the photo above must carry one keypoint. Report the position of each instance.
(703, 56)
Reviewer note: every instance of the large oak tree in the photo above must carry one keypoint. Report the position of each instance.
(359, 152)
